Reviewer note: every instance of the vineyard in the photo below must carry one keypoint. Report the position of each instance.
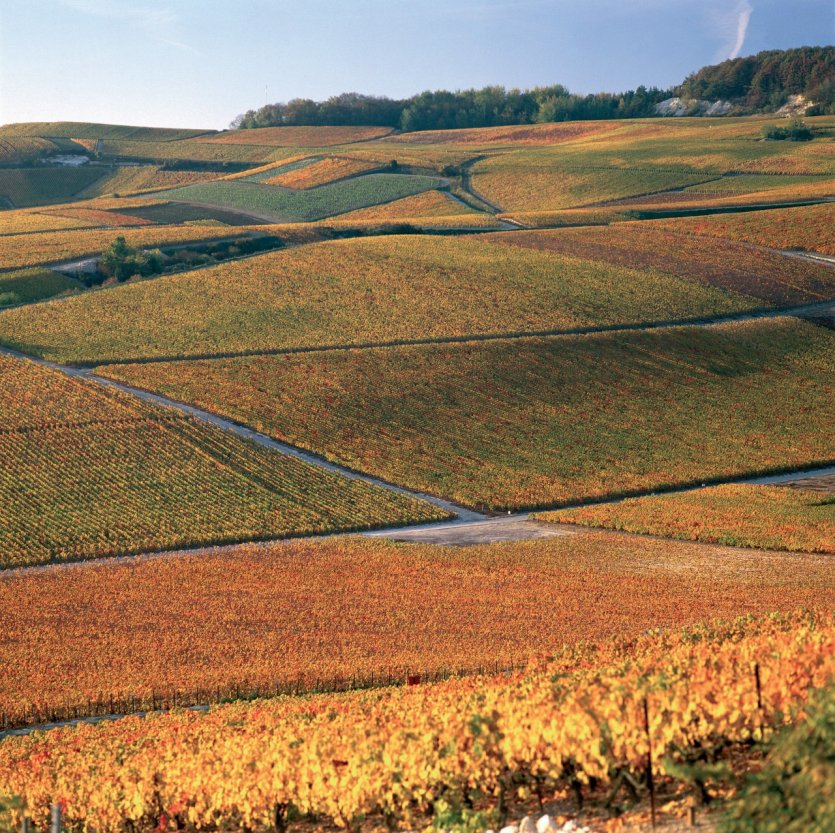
(243, 622)
(89, 475)
(526, 182)
(23, 149)
(428, 204)
(36, 186)
(321, 172)
(597, 321)
(808, 228)
(769, 517)
(723, 264)
(138, 178)
(495, 423)
(641, 708)
(298, 137)
(27, 285)
(23, 221)
(90, 130)
(357, 291)
(22, 250)
(286, 205)
(100, 217)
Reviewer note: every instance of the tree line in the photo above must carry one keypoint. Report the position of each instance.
(756, 83)
(445, 110)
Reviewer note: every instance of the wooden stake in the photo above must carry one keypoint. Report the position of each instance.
(650, 780)
(55, 819)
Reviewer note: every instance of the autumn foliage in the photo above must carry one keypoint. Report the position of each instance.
(208, 624)
(585, 714)
(771, 517)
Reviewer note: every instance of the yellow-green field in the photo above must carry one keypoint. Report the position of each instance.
(533, 422)
(360, 291)
(87, 472)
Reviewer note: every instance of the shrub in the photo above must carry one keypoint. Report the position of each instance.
(121, 261)
(795, 791)
(795, 131)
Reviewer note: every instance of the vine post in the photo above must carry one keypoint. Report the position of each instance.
(650, 780)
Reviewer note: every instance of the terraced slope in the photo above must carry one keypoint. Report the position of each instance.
(541, 421)
(87, 472)
(356, 291)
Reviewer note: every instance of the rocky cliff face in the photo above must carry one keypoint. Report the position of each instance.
(692, 107)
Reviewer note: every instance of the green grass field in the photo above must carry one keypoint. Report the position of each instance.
(537, 422)
(86, 473)
(356, 291)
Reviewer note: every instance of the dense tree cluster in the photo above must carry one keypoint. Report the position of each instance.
(765, 81)
(444, 110)
(759, 82)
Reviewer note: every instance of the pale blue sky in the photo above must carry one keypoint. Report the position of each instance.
(198, 63)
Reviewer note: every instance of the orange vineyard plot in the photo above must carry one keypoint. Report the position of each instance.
(437, 207)
(540, 421)
(806, 227)
(772, 517)
(101, 217)
(724, 264)
(325, 170)
(351, 607)
(390, 755)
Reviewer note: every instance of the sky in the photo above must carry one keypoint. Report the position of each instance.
(199, 63)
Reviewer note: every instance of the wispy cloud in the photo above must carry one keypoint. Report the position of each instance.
(159, 23)
(743, 16)
(732, 27)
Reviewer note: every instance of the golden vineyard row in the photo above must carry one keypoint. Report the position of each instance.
(395, 753)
